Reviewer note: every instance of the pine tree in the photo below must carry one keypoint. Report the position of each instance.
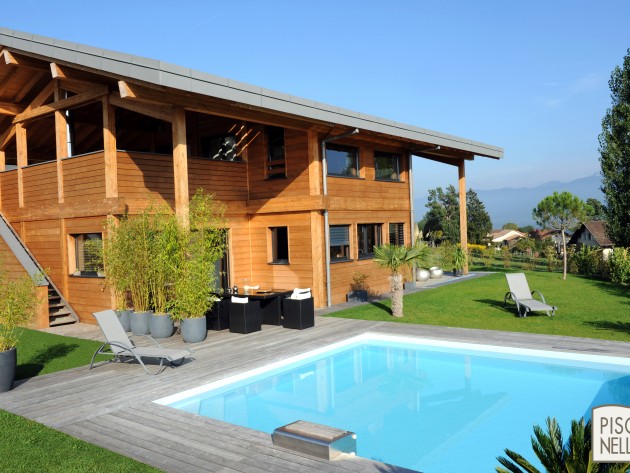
(614, 148)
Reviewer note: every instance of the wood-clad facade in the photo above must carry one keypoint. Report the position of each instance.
(81, 140)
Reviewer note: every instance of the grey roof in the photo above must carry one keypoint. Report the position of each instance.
(178, 77)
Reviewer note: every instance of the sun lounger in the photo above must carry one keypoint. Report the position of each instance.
(524, 298)
(119, 345)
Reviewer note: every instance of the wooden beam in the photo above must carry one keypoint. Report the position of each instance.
(62, 104)
(75, 80)
(159, 112)
(75, 209)
(61, 142)
(109, 149)
(19, 60)
(463, 220)
(32, 82)
(22, 159)
(180, 166)
(287, 204)
(314, 163)
(7, 108)
(3, 165)
(318, 284)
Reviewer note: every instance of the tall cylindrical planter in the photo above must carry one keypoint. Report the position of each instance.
(8, 364)
(194, 330)
(140, 323)
(124, 316)
(161, 325)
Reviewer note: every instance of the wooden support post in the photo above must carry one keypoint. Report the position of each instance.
(22, 159)
(109, 149)
(314, 164)
(180, 165)
(3, 165)
(463, 220)
(43, 317)
(317, 259)
(61, 140)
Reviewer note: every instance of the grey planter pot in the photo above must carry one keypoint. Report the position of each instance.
(124, 316)
(140, 323)
(161, 326)
(8, 364)
(436, 272)
(194, 330)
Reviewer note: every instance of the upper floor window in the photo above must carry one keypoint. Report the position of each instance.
(279, 245)
(342, 160)
(86, 254)
(397, 234)
(276, 166)
(340, 243)
(220, 147)
(387, 166)
(369, 236)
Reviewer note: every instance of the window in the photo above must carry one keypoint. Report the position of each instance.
(369, 236)
(279, 245)
(340, 243)
(387, 166)
(276, 166)
(220, 147)
(397, 234)
(86, 254)
(342, 161)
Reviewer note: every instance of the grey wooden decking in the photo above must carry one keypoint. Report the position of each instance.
(111, 405)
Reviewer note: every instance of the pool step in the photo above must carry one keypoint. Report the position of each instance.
(315, 439)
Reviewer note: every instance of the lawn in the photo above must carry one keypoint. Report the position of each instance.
(586, 307)
(28, 446)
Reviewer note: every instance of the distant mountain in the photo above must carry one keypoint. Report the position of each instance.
(515, 204)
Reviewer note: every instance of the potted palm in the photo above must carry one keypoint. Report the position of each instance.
(116, 248)
(19, 306)
(396, 257)
(459, 260)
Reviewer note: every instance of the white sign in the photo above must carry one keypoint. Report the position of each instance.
(611, 433)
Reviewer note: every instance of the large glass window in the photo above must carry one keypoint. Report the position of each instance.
(87, 254)
(279, 245)
(387, 166)
(339, 243)
(342, 160)
(275, 147)
(397, 233)
(369, 236)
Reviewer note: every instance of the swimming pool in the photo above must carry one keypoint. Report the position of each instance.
(422, 404)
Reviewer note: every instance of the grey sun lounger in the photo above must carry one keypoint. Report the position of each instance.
(119, 345)
(524, 298)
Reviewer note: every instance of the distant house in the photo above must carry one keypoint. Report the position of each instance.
(506, 237)
(555, 236)
(593, 234)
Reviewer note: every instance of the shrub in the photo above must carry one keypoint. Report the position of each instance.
(619, 264)
(589, 262)
(506, 256)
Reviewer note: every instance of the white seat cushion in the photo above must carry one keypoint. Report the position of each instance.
(240, 300)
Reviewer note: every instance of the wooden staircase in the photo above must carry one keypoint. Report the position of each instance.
(59, 310)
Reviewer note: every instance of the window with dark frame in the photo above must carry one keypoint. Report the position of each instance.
(276, 165)
(397, 234)
(386, 166)
(88, 254)
(340, 243)
(369, 236)
(342, 160)
(279, 245)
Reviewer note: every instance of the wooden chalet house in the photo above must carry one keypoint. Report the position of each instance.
(309, 188)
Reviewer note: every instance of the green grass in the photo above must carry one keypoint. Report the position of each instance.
(586, 307)
(27, 446)
(41, 353)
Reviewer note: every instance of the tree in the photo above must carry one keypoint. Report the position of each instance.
(479, 223)
(614, 149)
(556, 456)
(509, 226)
(599, 210)
(561, 211)
(443, 216)
(394, 258)
(443, 213)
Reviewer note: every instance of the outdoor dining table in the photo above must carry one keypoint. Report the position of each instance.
(270, 304)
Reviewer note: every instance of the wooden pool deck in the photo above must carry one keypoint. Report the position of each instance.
(112, 406)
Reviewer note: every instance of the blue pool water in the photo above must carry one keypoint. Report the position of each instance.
(432, 408)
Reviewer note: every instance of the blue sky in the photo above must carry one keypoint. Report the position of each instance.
(531, 76)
